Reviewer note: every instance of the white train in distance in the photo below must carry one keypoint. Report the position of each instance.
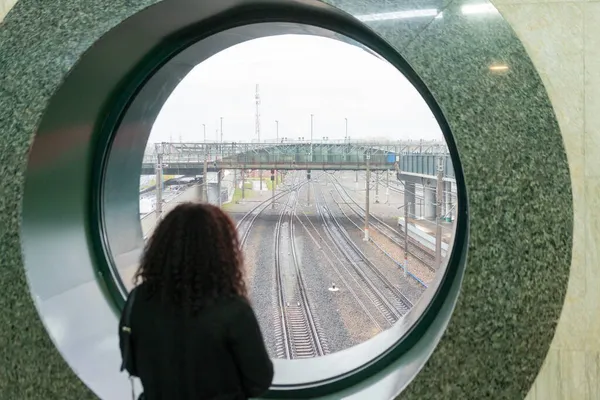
(422, 237)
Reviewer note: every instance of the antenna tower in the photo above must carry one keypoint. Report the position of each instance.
(257, 126)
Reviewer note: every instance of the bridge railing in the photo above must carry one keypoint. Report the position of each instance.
(317, 155)
(272, 157)
(397, 147)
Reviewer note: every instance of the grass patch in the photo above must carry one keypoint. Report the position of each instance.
(270, 183)
(237, 196)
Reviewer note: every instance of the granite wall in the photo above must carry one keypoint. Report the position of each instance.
(563, 40)
(512, 154)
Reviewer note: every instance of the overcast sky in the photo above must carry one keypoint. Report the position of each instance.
(298, 75)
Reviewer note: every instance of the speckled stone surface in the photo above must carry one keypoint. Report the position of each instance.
(520, 205)
(512, 155)
(39, 43)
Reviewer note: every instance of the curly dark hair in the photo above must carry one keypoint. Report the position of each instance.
(193, 257)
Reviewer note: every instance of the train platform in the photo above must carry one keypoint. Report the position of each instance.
(390, 207)
(430, 226)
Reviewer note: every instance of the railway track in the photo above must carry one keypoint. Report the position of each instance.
(418, 280)
(392, 309)
(348, 280)
(415, 248)
(244, 225)
(299, 335)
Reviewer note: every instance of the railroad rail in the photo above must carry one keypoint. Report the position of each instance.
(245, 223)
(417, 279)
(392, 311)
(321, 243)
(300, 335)
(417, 250)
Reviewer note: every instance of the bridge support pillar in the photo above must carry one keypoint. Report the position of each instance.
(429, 200)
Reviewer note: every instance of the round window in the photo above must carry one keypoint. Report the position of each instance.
(334, 167)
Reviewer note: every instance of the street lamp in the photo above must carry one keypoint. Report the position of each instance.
(311, 137)
(346, 137)
(204, 126)
(221, 129)
(277, 131)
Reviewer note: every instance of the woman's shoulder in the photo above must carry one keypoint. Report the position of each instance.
(137, 291)
(234, 300)
(234, 304)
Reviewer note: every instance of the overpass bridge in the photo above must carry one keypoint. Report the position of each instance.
(414, 161)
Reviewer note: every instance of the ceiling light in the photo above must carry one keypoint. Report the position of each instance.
(498, 68)
(486, 8)
(428, 12)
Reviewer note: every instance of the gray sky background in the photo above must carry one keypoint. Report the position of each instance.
(298, 75)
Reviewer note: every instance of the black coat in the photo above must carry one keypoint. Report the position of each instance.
(217, 355)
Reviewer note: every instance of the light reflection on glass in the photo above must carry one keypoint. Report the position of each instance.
(428, 12)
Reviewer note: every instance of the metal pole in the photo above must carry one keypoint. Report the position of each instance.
(387, 186)
(221, 130)
(257, 129)
(366, 238)
(243, 185)
(439, 199)
(376, 186)
(311, 137)
(221, 142)
(158, 185)
(219, 187)
(234, 181)
(276, 152)
(205, 177)
(406, 205)
(273, 190)
(346, 137)
(204, 126)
